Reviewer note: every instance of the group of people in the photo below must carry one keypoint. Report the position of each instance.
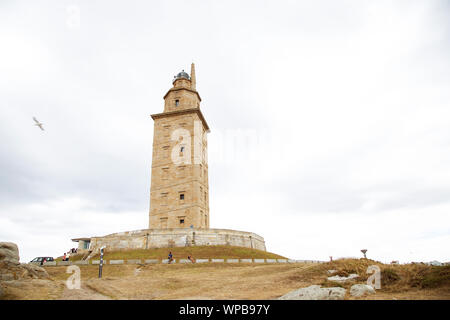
(170, 258)
(66, 256)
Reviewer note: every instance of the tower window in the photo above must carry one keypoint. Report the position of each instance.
(177, 103)
(165, 173)
(181, 196)
(181, 221)
(181, 149)
(163, 222)
(164, 199)
(165, 153)
(181, 172)
(166, 130)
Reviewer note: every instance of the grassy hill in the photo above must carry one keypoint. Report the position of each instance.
(197, 252)
(219, 281)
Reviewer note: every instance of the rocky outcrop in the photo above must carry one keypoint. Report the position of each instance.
(12, 269)
(9, 253)
(343, 279)
(34, 271)
(315, 292)
(358, 290)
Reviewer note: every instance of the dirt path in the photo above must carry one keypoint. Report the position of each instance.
(84, 293)
(192, 282)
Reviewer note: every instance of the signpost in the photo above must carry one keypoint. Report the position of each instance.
(100, 267)
(364, 252)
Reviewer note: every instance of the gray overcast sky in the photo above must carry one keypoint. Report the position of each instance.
(330, 120)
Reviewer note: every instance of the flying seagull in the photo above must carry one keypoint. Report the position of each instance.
(38, 124)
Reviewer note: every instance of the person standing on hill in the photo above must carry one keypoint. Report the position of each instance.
(170, 257)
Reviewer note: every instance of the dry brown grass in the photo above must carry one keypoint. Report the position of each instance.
(191, 281)
(198, 252)
(32, 289)
(239, 281)
(394, 278)
(207, 280)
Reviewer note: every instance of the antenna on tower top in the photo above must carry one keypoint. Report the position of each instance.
(193, 80)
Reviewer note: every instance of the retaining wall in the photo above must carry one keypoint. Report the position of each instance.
(184, 261)
(164, 238)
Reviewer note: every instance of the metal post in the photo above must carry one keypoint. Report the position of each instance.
(100, 267)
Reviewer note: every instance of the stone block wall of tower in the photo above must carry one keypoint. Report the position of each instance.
(179, 194)
(186, 97)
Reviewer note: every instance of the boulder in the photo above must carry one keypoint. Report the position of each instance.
(6, 274)
(9, 253)
(358, 290)
(12, 269)
(315, 292)
(343, 279)
(33, 271)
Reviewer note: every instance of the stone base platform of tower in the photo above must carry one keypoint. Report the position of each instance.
(164, 238)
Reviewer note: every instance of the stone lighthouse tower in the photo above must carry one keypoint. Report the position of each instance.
(179, 193)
